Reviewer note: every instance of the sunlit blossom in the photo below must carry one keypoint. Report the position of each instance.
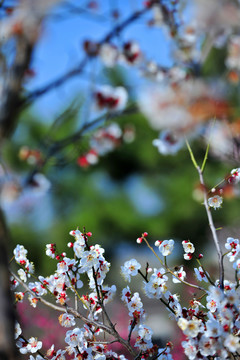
(66, 320)
(111, 99)
(188, 247)
(233, 246)
(34, 345)
(166, 247)
(215, 202)
(200, 274)
(130, 268)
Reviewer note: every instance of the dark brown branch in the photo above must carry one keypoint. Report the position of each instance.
(7, 313)
(56, 83)
(57, 146)
(78, 315)
(111, 325)
(163, 301)
(80, 67)
(10, 100)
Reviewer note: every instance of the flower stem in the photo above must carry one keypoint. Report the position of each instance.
(171, 272)
(213, 230)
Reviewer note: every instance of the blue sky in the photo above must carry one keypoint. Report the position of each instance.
(60, 48)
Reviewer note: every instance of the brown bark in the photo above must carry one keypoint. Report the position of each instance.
(7, 313)
(9, 108)
(11, 98)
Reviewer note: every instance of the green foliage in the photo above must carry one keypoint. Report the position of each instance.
(215, 63)
(102, 198)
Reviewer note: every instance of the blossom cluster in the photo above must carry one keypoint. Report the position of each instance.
(105, 140)
(178, 105)
(87, 260)
(111, 99)
(216, 332)
(211, 327)
(137, 316)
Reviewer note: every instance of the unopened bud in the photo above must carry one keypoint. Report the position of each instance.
(70, 244)
(139, 240)
(147, 4)
(226, 327)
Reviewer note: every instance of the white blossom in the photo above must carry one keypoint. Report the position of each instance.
(232, 343)
(34, 345)
(130, 268)
(166, 247)
(215, 201)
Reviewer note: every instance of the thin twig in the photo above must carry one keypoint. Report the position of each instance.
(80, 67)
(101, 303)
(191, 154)
(207, 149)
(59, 145)
(213, 230)
(205, 272)
(163, 301)
(38, 351)
(168, 269)
(209, 214)
(133, 324)
(78, 315)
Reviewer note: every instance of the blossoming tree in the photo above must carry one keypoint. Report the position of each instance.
(193, 99)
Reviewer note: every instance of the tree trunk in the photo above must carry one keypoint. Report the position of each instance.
(7, 314)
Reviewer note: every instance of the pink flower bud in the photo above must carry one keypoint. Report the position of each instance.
(139, 240)
(147, 4)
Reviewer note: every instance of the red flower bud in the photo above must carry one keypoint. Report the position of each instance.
(139, 240)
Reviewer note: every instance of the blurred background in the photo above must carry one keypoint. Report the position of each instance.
(51, 180)
(135, 188)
